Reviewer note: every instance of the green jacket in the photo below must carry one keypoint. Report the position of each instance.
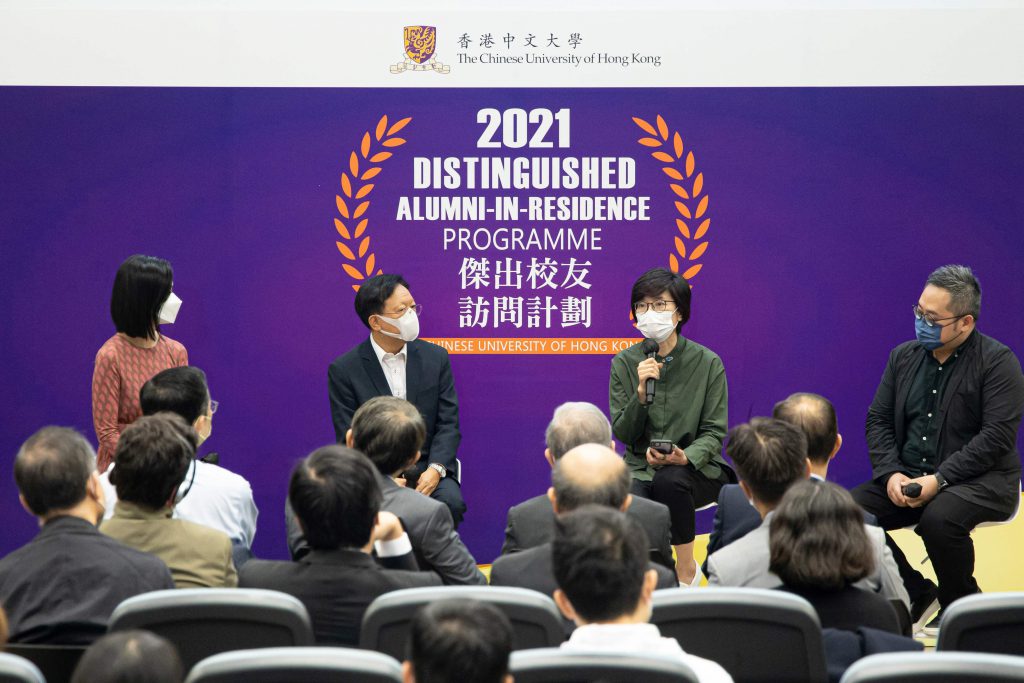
(690, 407)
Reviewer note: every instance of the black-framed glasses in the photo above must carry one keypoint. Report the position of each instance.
(931, 322)
(402, 311)
(659, 306)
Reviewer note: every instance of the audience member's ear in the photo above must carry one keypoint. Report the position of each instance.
(807, 469)
(650, 583)
(94, 489)
(24, 504)
(349, 441)
(553, 499)
(626, 503)
(839, 444)
(407, 673)
(564, 606)
(746, 491)
(549, 457)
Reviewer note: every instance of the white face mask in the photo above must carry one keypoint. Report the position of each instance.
(655, 325)
(408, 326)
(169, 311)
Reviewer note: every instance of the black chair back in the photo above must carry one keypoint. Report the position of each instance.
(56, 662)
(936, 667)
(206, 621)
(990, 622)
(15, 669)
(554, 665)
(755, 634)
(302, 664)
(536, 621)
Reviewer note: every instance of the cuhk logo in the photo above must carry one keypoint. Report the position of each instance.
(420, 43)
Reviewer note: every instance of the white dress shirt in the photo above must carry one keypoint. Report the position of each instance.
(218, 498)
(393, 365)
(642, 639)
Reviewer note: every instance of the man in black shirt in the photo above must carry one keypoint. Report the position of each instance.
(63, 585)
(944, 417)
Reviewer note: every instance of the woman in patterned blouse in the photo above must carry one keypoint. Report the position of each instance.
(141, 300)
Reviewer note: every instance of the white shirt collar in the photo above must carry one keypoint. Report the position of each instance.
(403, 352)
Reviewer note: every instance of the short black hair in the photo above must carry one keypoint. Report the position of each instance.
(152, 457)
(599, 557)
(52, 469)
(816, 417)
(141, 287)
(389, 431)
(770, 456)
(658, 280)
(817, 538)
(181, 391)
(374, 292)
(464, 640)
(964, 289)
(132, 656)
(336, 498)
(572, 493)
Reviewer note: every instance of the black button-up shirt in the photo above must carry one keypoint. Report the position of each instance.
(922, 411)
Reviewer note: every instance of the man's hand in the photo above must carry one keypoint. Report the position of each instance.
(894, 488)
(647, 369)
(929, 489)
(387, 528)
(399, 480)
(428, 481)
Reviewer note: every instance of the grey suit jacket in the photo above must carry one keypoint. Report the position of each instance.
(428, 522)
(744, 563)
(532, 523)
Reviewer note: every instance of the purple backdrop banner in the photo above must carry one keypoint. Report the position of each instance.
(827, 207)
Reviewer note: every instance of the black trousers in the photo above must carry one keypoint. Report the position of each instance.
(944, 524)
(683, 489)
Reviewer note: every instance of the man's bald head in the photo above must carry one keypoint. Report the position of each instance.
(590, 474)
(816, 418)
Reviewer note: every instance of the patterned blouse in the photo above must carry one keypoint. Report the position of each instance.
(121, 370)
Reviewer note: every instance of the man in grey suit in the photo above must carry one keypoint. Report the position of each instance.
(390, 432)
(590, 474)
(532, 522)
(770, 456)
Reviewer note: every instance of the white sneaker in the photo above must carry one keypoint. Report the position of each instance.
(697, 576)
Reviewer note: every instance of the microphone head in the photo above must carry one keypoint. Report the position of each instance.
(649, 346)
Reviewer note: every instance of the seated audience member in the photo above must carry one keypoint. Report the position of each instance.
(458, 642)
(390, 431)
(816, 417)
(770, 456)
(62, 586)
(216, 498)
(590, 474)
(819, 549)
(532, 523)
(153, 458)
(337, 502)
(605, 585)
(130, 657)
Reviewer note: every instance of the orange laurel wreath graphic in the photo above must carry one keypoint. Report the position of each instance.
(355, 190)
(690, 204)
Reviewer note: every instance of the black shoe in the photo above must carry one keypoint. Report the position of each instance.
(924, 605)
(931, 629)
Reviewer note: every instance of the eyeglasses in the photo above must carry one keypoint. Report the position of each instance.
(930, 322)
(213, 406)
(660, 306)
(405, 309)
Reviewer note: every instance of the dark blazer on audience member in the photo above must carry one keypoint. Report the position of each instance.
(851, 608)
(336, 586)
(735, 517)
(532, 569)
(428, 522)
(62, 586)
(356, 377)
(532, 523)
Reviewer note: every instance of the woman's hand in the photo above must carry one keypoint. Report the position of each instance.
(647, 369)
(658, 459)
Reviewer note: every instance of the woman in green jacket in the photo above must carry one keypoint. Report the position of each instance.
(688, 409)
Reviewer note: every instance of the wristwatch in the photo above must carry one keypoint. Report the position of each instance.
(439, 468)
(941, 479)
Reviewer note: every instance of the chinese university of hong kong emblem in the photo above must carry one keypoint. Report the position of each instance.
(420, 43)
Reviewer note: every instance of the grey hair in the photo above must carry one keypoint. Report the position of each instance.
(575, 424)
(964, 290)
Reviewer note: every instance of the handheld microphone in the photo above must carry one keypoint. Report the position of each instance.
(912, 490)
(650, 348)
